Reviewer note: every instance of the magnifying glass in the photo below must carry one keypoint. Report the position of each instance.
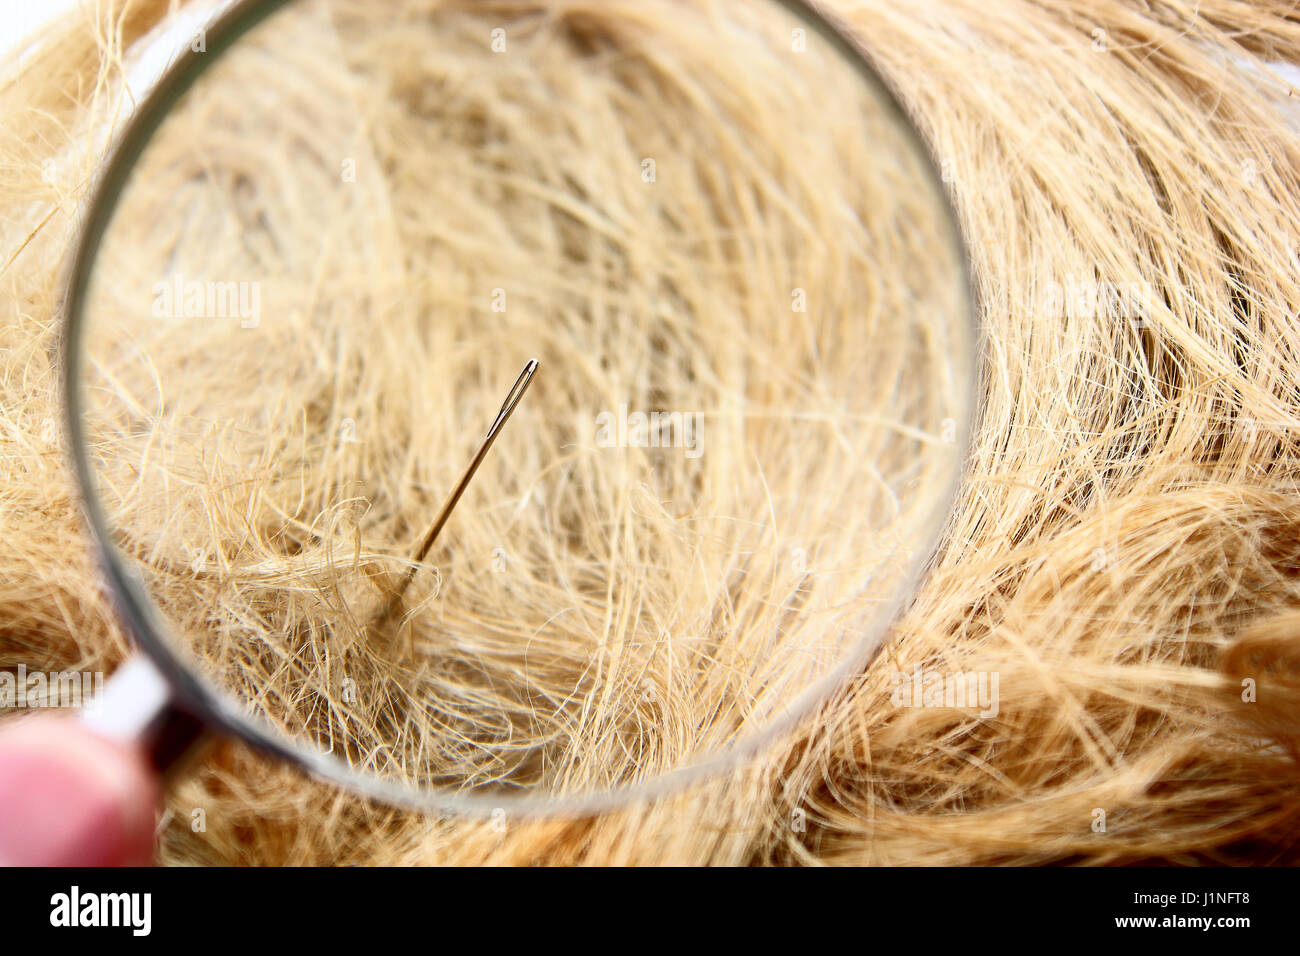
(516, 405)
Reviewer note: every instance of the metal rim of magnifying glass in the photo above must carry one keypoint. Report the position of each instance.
(222, 713)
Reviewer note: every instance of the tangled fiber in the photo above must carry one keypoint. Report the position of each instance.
(1124, 551)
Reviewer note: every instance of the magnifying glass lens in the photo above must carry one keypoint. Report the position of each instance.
(356, 223)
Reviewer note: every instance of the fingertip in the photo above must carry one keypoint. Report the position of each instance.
(69, 797)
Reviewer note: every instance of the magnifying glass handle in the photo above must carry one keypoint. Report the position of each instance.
(137, 708)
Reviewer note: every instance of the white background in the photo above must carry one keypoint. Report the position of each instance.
(19, 19)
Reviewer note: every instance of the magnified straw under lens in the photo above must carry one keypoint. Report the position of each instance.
(286, 322)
